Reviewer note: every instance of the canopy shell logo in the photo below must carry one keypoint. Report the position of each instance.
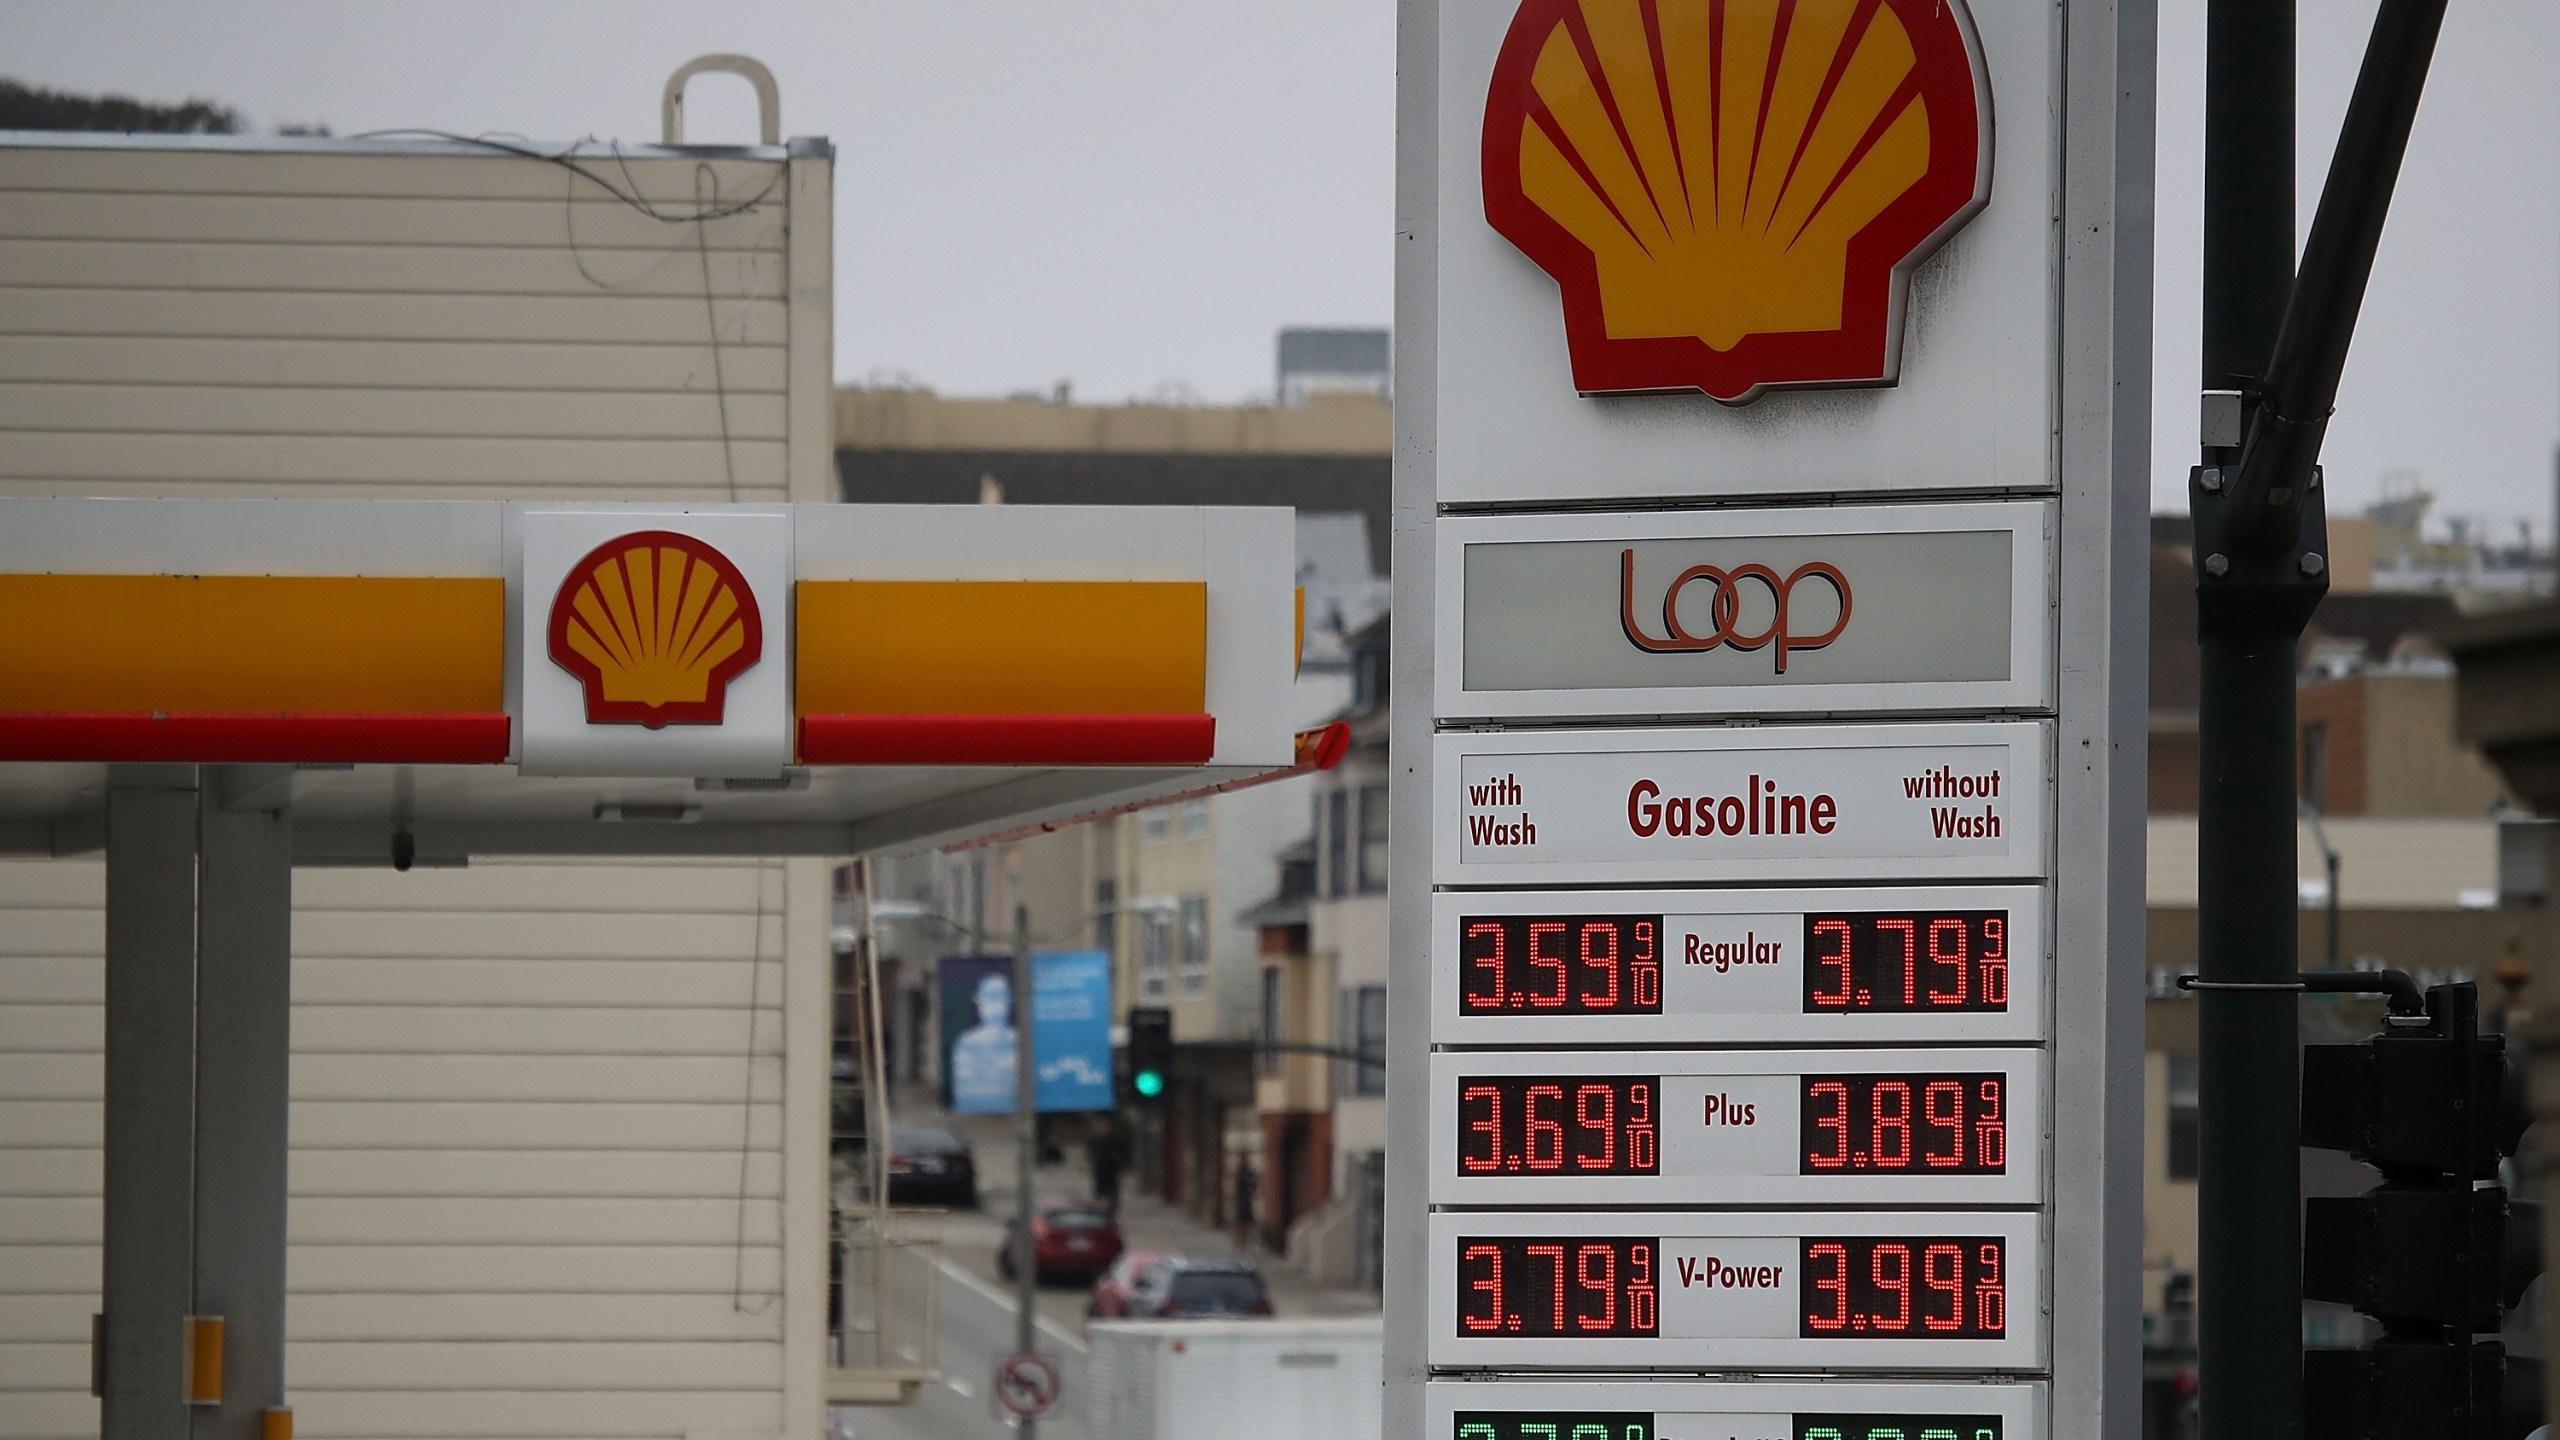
(655, 624)
(1732, 194)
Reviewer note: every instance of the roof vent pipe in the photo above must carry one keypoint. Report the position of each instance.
(768, 98)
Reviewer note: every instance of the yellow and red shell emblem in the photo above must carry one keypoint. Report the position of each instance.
(1731, 193)
(655, 624)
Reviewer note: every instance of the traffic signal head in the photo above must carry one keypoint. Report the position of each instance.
(1150, 1051)
(2437, 1253)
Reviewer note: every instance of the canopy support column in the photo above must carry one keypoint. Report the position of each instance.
(243, 1048)
(150, 1102)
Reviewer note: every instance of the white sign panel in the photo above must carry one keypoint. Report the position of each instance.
(1959, 801)
(1724, 612)
(1738, 1127)
(1973, 407)
(1789, 1290)
(1474, 1409)
(653, 641)
(1618, 967)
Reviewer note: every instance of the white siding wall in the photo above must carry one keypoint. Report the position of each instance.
(538, 1171)
(194, 321)
(540, 1185)
(537, 1180)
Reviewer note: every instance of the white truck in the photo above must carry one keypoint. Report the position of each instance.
(1295, 1379)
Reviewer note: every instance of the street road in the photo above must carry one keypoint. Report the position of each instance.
(977, 1331)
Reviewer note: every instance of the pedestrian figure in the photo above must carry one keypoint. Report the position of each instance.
(1247, 1182)
(1104, 1152)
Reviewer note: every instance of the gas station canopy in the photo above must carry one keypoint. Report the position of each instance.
(421, 682)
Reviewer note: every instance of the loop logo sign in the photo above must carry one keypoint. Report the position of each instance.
(1731, 194)
(1724, 607)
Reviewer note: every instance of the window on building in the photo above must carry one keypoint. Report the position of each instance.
(2315, 766)
(1106, 916)
(1195, 819)
(1154, 973)
(1274, 1019)
(1194, 921)
(1373, 839)
(1364, 1032)
(1153, 826)
(2186, 1141)
(1337, 848)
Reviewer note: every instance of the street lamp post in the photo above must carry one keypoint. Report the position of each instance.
(1026, 1146)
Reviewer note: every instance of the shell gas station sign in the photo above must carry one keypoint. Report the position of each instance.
(570, 663)
(1769, 854)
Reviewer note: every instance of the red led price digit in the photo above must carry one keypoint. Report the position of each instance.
(1991, 1132)
(1538, 928)
(1644, 967)
(1942, 1105)
(1490, 1127)
(1942, 1268)
(1641, 1316)
(1889, 1105)
(1995, 960)
(1492, 961)
(1990, 1301)
(1641, 1153)
(1838, 1284)
(1489, 1286)
(1604, 1123)
(1554, 1255)
(1834, 930)
(1604, 959)
(1606, 1284)
(1553, 1130)
(1947, 947)
(1908, 929)
(1837, 1122)
(1898, 1283)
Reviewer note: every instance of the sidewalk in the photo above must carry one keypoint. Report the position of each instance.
(1146, 1222)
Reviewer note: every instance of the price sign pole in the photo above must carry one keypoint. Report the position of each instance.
(1771, 560)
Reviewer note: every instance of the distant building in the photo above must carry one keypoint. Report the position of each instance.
(1167, 890)
(1335, 362)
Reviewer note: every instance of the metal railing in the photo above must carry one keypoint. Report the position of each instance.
(888, 1306)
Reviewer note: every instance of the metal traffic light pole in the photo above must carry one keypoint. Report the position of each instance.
(2274, 347)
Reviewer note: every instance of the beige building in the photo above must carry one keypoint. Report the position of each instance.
(539, 1179)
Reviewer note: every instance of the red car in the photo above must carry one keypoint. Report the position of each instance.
(1111, 1293)
(1068, 1237)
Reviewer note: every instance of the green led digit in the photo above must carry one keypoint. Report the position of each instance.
(1542, 1431)
(1824, 1432)
(1939, 1432)
(1638, 1430)
(1590, 1430)
(1478, 1430)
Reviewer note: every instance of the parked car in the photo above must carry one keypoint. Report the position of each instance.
(929, 1165)
(1180, 1287)
(1068, 1237)
(1111, 1291)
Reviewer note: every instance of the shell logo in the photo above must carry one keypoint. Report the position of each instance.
(1731, 194)
(655, 624)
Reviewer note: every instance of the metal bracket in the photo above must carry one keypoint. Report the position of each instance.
(2395, 986)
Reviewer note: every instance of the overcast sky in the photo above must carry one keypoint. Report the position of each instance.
(1133, 194)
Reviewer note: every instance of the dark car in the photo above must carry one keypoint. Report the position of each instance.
(929, 1165)
(1068, 1238)
(1182, 1287)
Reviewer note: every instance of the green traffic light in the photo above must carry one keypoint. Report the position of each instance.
(1149, 1083)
